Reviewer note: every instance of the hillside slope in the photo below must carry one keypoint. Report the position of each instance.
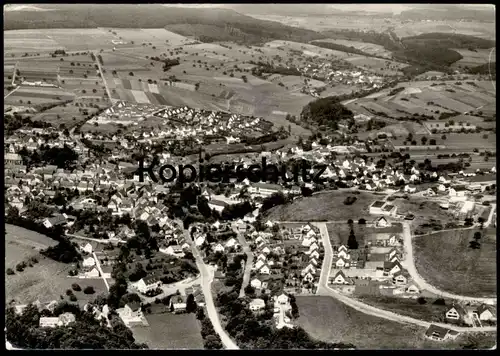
(232, 24)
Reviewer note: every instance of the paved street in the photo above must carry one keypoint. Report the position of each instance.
(409, 264)
(207, 275)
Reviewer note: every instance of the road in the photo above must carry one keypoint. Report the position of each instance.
(98, 265)
(409, 264)
(490, 217)
(104, 80)
(207, 275)
(324, 290)
(10, 92)
(103, 241)
(248, 263)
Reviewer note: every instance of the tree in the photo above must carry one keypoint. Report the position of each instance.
(76, 287)
(477, 236)
(191, 306)
(350, 222)
(474, 245)
(200, 313)
(10, 271)
(443, 137)
(352, 243)
(89, 290)
(131, 74)
(432, 142)
(362, 221)
(421, 300)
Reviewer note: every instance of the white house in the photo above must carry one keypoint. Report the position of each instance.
(94, 273)
(382, 222)
(148, 284)
(88, 262)
(282, 299)
(87, 248)
(340, 278)
(257, 304)
(256, 283)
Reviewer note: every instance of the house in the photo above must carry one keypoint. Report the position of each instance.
(486, 312)
(133, 310)
(264, 270)
(282, 299)
(438, 333)
(264, 189)
(148, 284)
(218, 248)
(48, 322)
(217, 205)
(87, 248)
(256, 283)
(88, 262)
(376, 207)
(340, 278)
(382, 222)
(413, 289)
(178, 304)
(175, 250)
(66, 318)
(257, 304)
(59, 219)
(94, 273)
(391, 268)
(455, 313)
(399, 278)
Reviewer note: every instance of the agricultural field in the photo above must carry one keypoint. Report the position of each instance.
(473, 274)
(324, 207)
(44, 41)
(70, 114)
(475, 58)
(423, 209)
(30, 96)
(47, 280)
(478, 29)
(366, 331)
(170, 331)
(424, 97)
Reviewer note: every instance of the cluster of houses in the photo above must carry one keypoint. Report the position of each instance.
(292, 265)
(47, 322)
(375, 270)
(281, 309)
(457, 314)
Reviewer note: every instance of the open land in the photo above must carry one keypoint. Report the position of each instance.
(45, 281)
(473, 274)
(170, 331)
(365, 331)
(325, 206)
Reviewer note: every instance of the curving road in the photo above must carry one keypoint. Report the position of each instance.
(409, 264)
(324, 290)
(207, 275)
(490, 217)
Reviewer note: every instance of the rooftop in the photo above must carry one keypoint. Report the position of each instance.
(378, 204)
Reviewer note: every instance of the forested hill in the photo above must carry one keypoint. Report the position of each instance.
(448, 40)
(153, 16)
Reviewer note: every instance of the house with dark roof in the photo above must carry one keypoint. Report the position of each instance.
(438, 333)
(56, 220)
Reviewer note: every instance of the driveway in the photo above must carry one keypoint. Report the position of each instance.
(324, 290)
(409, 264)
(248, 263)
